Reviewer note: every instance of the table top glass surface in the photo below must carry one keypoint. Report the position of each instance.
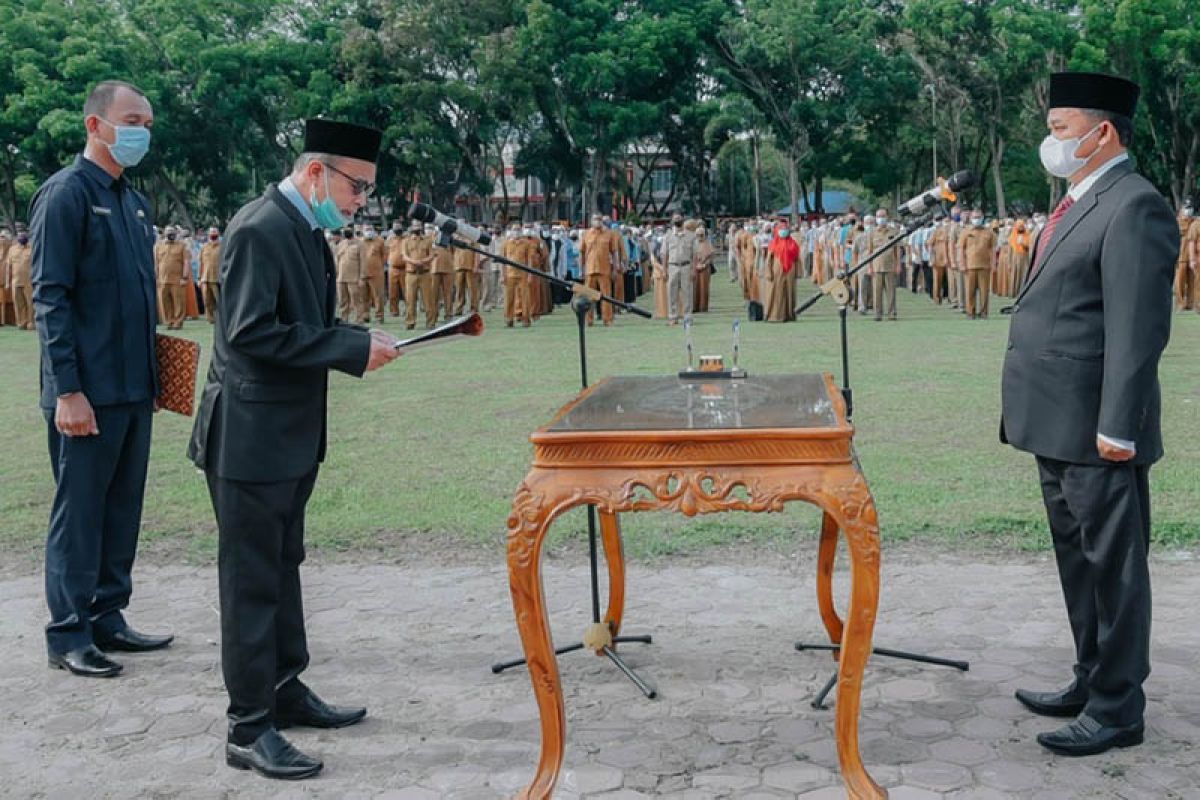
(652, 403)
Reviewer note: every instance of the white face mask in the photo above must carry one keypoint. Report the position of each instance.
(1058, 155)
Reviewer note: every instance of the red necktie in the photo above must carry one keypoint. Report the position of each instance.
(1044, 238)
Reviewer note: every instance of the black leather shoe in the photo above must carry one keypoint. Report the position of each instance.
(313, 712)
(130, 641)
(272, 756)
(1085, 736)
(1068, 702)
(86, 661)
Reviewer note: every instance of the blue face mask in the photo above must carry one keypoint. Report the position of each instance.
(131, 144)
(327, 213)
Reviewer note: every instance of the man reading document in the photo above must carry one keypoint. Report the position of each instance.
(261, 430)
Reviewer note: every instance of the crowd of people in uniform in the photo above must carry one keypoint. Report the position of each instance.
(961, 260)
(417, 273)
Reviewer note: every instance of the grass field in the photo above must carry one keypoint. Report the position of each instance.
(429, 451)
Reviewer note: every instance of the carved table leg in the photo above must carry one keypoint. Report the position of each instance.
(614, 556)
(826, 555)
(527, 526)
(860, 524)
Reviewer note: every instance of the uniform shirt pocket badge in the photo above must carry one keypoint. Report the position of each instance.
(102, 211)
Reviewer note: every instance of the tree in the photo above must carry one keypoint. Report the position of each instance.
(1157, 44)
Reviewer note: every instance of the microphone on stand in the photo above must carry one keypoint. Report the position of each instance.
(448, 225)
(943, 191)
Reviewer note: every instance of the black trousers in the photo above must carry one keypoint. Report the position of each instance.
(94, 521)
(1100, 520)
(263, 644)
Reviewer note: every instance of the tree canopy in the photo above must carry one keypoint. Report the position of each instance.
(751, 103)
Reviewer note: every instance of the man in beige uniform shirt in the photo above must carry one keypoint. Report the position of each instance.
(210, 272)
(172, 263)
(466, 279)
(349, 257)
(17, 268)
(374, 256)
(977, 249)
(417, 253)
(599, 253)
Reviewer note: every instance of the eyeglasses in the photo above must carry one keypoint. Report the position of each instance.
(360, 186)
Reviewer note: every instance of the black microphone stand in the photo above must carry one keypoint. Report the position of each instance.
(838, 288)
(583, 299)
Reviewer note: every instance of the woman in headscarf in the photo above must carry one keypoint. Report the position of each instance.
(701, 281)
(783, 256)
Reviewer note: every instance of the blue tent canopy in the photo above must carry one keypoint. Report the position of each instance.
(836, 202)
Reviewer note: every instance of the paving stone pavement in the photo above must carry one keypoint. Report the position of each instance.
(414, 643)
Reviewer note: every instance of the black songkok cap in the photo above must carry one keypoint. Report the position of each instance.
(342, 139)
(1094, 90)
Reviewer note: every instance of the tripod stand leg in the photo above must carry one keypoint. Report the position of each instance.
(646, 689)
(818, 702)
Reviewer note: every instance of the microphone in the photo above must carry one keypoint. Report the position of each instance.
(944, 190)
(448, 225)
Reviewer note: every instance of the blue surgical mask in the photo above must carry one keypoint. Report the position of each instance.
(328, 215)
(131, 144)
(784, 233)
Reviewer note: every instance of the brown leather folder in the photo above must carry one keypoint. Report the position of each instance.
(178, 363)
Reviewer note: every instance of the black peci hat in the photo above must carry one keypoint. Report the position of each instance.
(1094, 90)
(342, 139)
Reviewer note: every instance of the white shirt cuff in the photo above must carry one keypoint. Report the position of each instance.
(1124, 444)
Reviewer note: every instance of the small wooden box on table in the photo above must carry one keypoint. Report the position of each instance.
(661, 443)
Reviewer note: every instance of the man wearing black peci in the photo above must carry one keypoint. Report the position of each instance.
(1081, 392)
(261, 430)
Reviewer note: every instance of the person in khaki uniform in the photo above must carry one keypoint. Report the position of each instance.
(374, 256)
(957, 287)
(599, 253)
(350, 272)
(1002, 275)
(940, 244)
(417, 253)
(864, 296)
(466, 280)
(883, 269)
(210, 272)
(977, 249)
(5, 295)
(172, 264)
(705, 254)
(1185, 275)
(18, 268)
(395, 265)
(679, 254)
(746, 257)
(443, 280)
(518, 299)
(1191, 244)
(1020, 242)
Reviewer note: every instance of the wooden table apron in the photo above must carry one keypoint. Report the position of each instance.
(696, 472)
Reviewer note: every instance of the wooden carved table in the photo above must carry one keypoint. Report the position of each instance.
(661, 443)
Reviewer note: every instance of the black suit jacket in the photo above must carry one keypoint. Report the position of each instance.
(1088, 328)
(262, 415)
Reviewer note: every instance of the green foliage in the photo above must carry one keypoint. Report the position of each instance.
(859, 90)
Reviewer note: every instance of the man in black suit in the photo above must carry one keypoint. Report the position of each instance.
(261, 431)
(1081, 392)
(95, 311)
